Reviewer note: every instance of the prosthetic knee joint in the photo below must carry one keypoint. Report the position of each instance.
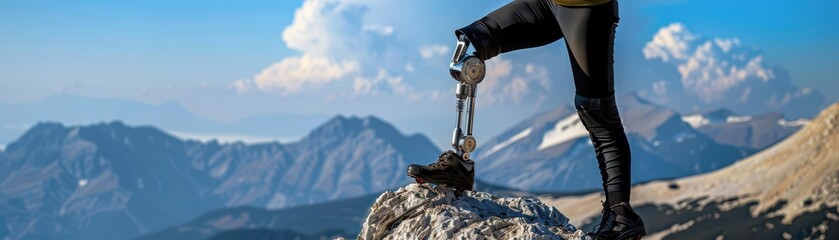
(468, 70)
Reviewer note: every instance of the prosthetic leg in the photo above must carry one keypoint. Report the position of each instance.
(468, 70)
(455, 168)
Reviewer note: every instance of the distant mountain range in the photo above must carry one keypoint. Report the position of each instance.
(109, 181)
(72, 110)
(787, 191)
(555, 151)
(751, 132)
(332, 219)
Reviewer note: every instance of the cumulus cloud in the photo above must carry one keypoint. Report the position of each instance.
(430, 51)
(346, 58)
(670, 43)
(721, 72)
(336, 45)
(395, 84)
(242, 86)
(539, 74)
(329, 35)
(506, 81)
(708, 68)
(293, 73)
(370, 86)
(660, 87)
(382, 30)
(326, 28)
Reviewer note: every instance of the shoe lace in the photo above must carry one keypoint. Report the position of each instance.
(437, 163)
(444, 160)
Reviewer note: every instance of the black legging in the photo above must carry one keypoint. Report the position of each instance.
(589, 34)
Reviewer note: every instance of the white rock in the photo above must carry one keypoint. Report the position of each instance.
(419, 211)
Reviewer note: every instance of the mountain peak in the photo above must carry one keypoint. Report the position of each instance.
(46, 126)
(633, 97)
(341, 126)
(352, 119)
(720, 113)
(51, 132)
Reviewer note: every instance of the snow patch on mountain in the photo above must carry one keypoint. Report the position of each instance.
(82, 182)
(419, 211)
(681, 137)
(794, 123)
(565, 130)
(737, 119)
(507, 142)
(700, 120)
(696, 120)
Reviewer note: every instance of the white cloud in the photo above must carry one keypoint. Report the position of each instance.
(349, 58)
(369, 86)
(336, 45)
(401, 89)
(242, 86)
(710, 75)
(540, 74)
(382, 30)
(430, 51)
(660, 87)
(727, 44)
(506, 81)
(516, 89)
(333, 42)
(719, 72)
(395, 84)
(498, 68)
(293, 73)
(708, 68)
(326, 28)
(670, 43)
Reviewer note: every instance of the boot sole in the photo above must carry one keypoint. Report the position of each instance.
(632, 234)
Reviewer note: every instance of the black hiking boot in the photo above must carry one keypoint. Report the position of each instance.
(450, 170)
(619, 222)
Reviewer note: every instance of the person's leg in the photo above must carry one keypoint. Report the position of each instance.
(589, 34)
(519, 24)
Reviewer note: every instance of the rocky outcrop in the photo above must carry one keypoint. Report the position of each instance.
(420, 211)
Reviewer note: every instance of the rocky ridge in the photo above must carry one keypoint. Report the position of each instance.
(423, 211)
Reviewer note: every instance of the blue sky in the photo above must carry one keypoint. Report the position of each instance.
(226, 61)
